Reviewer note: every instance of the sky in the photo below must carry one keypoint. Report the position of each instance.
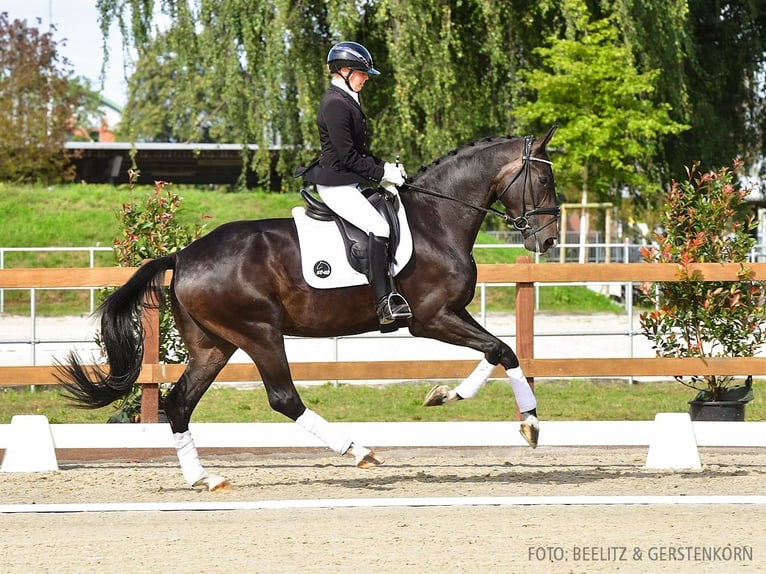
(76, 23)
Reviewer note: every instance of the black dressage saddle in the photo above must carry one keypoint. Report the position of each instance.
(354, 239)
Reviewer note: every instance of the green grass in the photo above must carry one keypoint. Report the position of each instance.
(558, 400)
(86, 215)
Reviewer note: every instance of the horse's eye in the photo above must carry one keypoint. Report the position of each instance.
(543, 179)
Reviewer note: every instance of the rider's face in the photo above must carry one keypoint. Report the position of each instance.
(356, 79)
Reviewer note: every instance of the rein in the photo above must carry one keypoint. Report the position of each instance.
(521, 223)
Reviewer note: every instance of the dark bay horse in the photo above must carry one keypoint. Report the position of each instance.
(241, 286)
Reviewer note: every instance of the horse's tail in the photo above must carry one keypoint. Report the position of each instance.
(121, 338)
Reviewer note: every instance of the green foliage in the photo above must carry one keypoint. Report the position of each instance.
(254, 69)
(611, 127)
(150, 231)
(723, 73)
(703, 224)
(37, 104)
(622, 78)
(164, 107)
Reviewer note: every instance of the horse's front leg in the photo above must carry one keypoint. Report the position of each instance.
(462, 329)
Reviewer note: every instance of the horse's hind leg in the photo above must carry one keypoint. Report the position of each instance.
(180, 403)
(268, 353)
(207, 356)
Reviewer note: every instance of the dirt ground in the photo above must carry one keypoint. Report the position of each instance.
(420, 539)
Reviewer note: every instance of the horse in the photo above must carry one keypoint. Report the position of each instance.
(240, 287)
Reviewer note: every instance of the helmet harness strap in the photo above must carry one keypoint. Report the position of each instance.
(346, 79)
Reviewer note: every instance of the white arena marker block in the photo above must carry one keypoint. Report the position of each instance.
(30, 448)
(674, 445)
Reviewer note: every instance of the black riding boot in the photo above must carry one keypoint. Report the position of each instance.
(389, 304)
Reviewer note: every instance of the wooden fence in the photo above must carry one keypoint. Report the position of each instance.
(524, 274)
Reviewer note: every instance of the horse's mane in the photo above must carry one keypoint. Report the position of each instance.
(469, 148)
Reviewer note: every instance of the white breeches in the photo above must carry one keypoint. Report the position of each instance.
(348, 202)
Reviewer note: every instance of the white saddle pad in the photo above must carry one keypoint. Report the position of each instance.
(323, 255)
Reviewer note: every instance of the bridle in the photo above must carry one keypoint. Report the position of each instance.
(521, 223)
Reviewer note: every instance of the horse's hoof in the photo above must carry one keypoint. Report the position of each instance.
(530, 430)
(213, 483)
(438, 396)
(223, 486)
(369, 460)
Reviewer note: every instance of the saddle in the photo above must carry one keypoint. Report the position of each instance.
(355, 240)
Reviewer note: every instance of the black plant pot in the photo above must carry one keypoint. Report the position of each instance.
(727, 411)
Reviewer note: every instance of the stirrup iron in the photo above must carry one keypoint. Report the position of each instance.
(393, 307)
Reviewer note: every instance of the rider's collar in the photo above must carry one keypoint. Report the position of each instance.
(339, 83)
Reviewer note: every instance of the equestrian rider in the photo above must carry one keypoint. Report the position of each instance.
(345, 163)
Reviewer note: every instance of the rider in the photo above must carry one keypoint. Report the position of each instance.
(345, 163)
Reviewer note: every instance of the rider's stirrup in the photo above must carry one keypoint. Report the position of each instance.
(392, 307)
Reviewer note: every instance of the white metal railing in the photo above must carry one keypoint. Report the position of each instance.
(624, 292)
(33, 340)
(91, 251)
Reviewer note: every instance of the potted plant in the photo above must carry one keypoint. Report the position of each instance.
(705, 220)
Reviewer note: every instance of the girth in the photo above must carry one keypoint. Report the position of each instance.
(354, 239)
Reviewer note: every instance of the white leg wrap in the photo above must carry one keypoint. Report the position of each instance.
(525, 398)
(188, 457)
(324, 431)
(475, 381)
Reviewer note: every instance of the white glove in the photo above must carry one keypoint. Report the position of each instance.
(391, 174)
(402, 170)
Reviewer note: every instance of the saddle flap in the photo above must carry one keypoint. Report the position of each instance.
(315, 208)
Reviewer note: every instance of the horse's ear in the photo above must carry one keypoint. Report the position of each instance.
(540, 144)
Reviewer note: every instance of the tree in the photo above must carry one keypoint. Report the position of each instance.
(37, 104)
(451, 70)
(261, 62)
(610, 127)
(163, 107)
(727, 75)
(89, 112)
(711, 58)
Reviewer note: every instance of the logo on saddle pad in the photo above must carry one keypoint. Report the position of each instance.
(322, 269)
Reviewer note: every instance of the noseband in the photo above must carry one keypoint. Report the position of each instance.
(521, 223)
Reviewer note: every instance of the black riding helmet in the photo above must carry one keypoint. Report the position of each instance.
(350, 55)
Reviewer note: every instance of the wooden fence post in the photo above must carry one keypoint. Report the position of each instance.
(525, 321)
(150, 392)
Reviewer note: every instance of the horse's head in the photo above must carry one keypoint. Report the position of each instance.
(525, 187)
